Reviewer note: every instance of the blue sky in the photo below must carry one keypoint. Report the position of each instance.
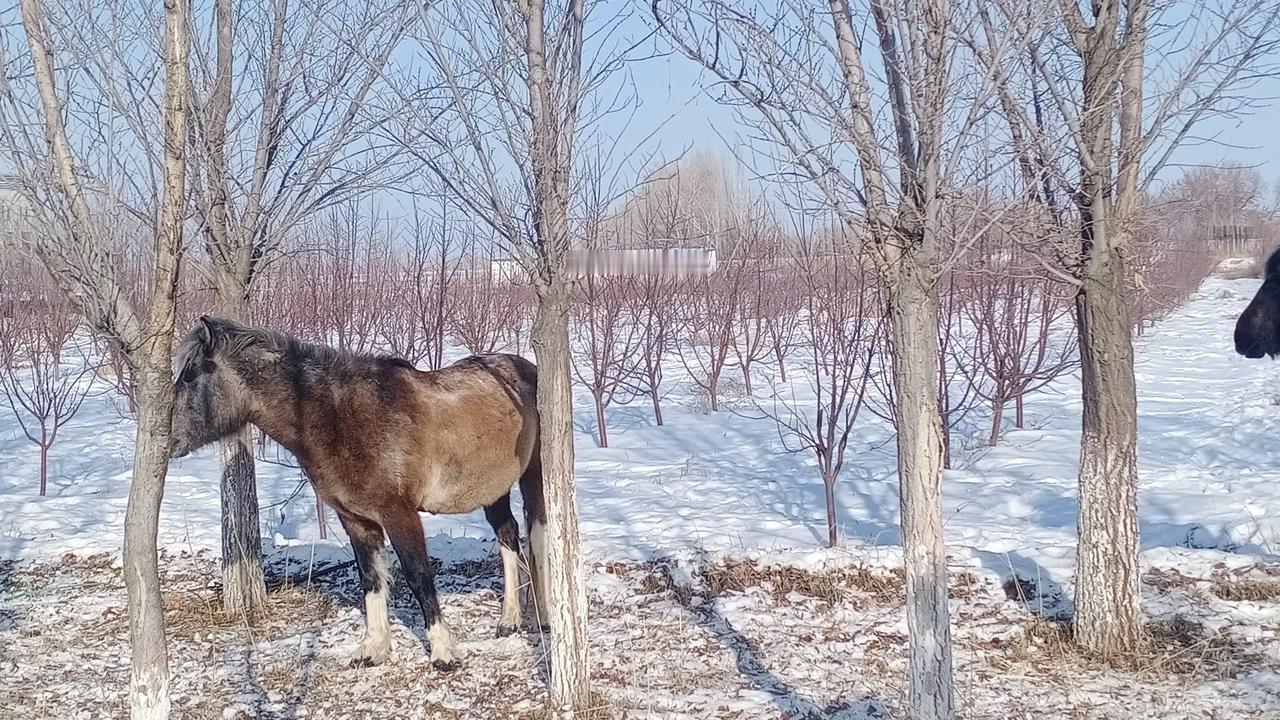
(680, 116)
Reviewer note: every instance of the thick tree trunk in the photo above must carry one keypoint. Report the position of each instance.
(913, 316)
(1108, 618)
(244, 589)
(149, 681)
(570, 688)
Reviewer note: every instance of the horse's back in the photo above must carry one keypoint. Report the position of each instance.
(478, 432)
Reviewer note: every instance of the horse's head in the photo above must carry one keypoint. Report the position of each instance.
(1258, 329)
(212, 399)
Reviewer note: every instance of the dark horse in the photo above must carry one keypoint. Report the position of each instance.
(1258, 329)
(380, 441)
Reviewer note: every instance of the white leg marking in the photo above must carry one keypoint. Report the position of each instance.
(376, 647)
(538, 548)
(510, 591)
(442, 651)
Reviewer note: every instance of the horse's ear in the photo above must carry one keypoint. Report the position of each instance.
(206, 329)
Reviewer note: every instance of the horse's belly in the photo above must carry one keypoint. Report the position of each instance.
(467, 489)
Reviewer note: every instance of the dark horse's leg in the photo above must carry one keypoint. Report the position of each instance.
(535, 515)
(504, 526)
(366, 540)
(405, 531)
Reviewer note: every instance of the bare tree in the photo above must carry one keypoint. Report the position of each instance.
(1021, 338)
(268, 151)
(708, 316)
(1124, 122)
(801, 76)
(44, 369)
(509, 90)
(433, 274)
(607, 342)
(66, 243)
(840, 330)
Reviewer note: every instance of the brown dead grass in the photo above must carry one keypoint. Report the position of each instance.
(1178, 646)
(878, 586)
(1166, 579)
(190, 613)
(1252, 584)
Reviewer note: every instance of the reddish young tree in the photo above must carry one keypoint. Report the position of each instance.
(1020, 332)
(710, 309)
(426, 300)
(783, 300)
(606, 343)
(655, 311)
(44, 371)
(480, 302)
(840, 329)
(758, 259)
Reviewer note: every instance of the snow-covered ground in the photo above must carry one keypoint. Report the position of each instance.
(663, 504)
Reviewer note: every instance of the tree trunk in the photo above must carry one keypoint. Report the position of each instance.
(603, 432)
(997, 415)
(244, 589)
(1108, 616)
(1017, 412)
(149, 681)
(44, 461)
(913, 316)
(829, 484)
(321, 526)
(657, 407)
(570, 688)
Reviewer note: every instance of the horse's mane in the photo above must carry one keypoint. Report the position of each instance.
(232, 338)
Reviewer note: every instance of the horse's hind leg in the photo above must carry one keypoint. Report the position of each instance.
(366, 540)
(504, 526)
(405, 531)
(535, 516)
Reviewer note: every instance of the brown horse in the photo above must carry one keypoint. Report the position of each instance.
(1258, 329)
(380, 441)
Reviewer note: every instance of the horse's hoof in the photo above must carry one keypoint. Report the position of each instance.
(362, 662)
(446, 665)
(505, 630)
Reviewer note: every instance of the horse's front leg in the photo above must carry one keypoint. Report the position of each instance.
(371, 559)
(405, 531)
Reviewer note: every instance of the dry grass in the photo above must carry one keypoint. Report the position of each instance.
(1178, 646)
(1183, 647)
(1166, 579)
(192, 613)
(1256, 583)
(879, 586)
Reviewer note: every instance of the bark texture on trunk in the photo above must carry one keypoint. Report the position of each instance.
(913, 318)
(570, 688)
(149, 680)
(1108, 618)
(244, 588)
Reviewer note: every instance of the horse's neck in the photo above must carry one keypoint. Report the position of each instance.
(275, 413)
